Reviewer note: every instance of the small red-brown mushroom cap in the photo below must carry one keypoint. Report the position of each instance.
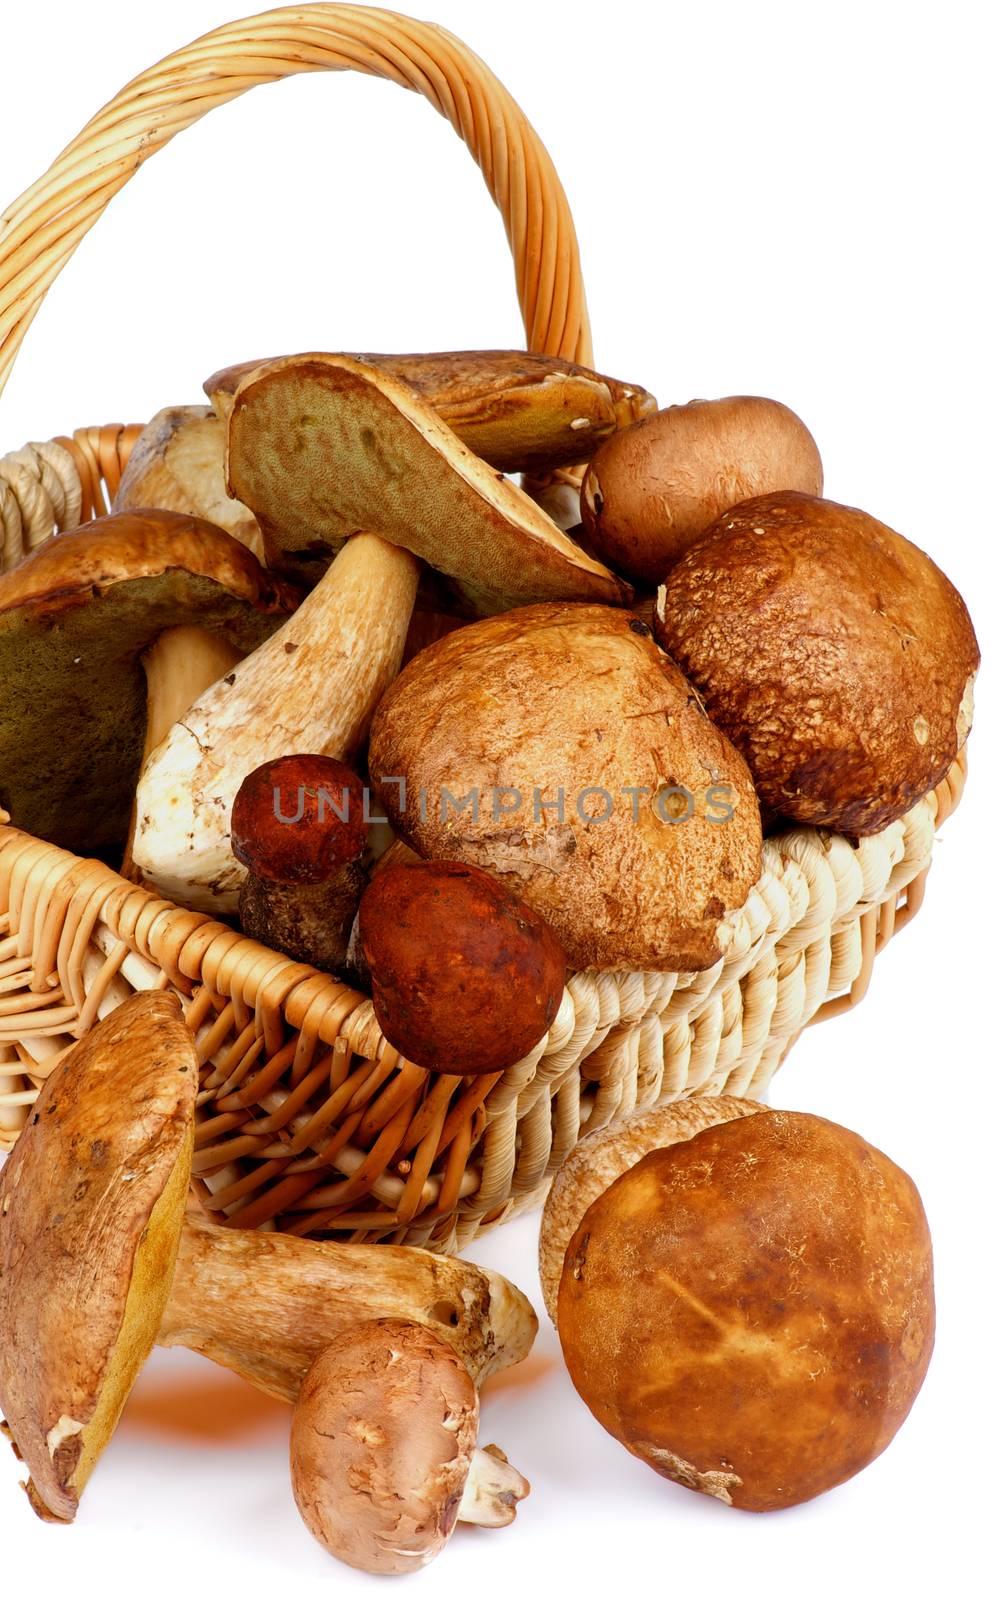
(465, 977)
(299, 819)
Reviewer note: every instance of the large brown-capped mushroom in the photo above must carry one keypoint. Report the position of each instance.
(465, 977)
(651, 491)
(517, 410)
(835, 654)
(559, 749)
(91, 1206)
(319, 446)
(76, 618)
(383, 1450)
(313, 686)
(92, 1222)
(751, 1310)
(178, 464)
(300, 829)
(602, 1156)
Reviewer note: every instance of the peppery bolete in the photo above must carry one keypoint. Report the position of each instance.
(557, 748)
(384, 1455)
(750, 1311)
(465, 978)
(79, 617)
(98, 1259)
(835, 654)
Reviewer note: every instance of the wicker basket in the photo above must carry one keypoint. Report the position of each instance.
(309, 1120)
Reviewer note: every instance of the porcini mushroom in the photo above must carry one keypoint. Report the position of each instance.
(383, 1450)
(518, 410)
(313, 686)
(77, 618)
(178, 464)
(91, 1206)
(651, 491)
(835, 654)
(465, 977)
(98, 1259)
(751, 1310)
(321, 445)
(300, 829)
(602, 1156)
(559, 749)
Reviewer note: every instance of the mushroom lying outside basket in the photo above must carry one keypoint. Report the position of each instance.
(309, 1120)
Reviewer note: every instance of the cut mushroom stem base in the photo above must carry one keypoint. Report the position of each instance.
(493, 1490)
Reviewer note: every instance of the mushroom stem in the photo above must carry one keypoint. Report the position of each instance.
(325, 674)
(266, 1304)
(308, 921)
(492, 1490)
(181, 664)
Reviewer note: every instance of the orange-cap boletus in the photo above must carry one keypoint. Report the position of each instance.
(299, 826)
(750, 1311)
(560, 750)
(465, 977)
(384, 1453)
(651, 491)
(835, 654)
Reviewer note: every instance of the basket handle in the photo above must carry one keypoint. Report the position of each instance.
(41, 230)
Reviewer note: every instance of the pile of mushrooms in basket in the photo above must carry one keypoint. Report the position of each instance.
(452, 676)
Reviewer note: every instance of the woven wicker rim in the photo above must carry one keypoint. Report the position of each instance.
(308, 1118)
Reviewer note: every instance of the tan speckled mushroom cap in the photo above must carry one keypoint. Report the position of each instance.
(640, 864)
(91, 1207)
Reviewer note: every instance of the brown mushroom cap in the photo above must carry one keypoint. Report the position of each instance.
(75, 618)
(91, 1207)
(519, 410)
(383, 1437)
(602, 1156)
(574, 700)
(299, 818)
(835, 654)
(178, 464)
(652, 490)
(751, 1311)
(465, 977)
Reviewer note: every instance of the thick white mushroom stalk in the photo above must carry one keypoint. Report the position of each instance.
(313, 686)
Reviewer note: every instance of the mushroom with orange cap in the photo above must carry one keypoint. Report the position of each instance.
(299, 828)
(465, 977)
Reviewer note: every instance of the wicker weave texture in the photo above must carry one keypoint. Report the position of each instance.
(308, 1119)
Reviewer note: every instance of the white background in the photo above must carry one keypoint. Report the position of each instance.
(792, 200)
